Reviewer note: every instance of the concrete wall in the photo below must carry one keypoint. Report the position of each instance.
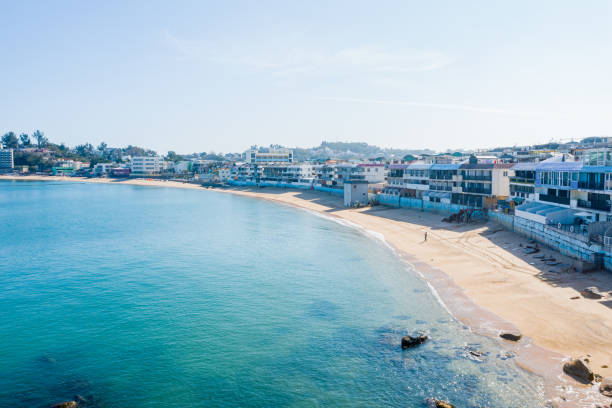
(576, 246)
(418, 204)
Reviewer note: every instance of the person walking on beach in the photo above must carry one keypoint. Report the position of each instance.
(425, 236)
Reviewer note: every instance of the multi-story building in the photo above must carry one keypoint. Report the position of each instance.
(325, 174)
(224, 174)
(346, 171)
(263, 155)
(395, 180)
(482, 184)
(146, 165)
(102, 169)
(569, 184)
(442, 179)
(6, 160)
(416, 179)
(373, 173)
(522, 183)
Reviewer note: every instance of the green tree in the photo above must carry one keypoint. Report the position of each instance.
(172, 156)
(84, 150)
(10, 141)
(25, 140)
(41, 140)
(102, 147)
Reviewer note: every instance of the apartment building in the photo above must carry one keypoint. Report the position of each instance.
(146, 165)
(6, 160)
(263, 155)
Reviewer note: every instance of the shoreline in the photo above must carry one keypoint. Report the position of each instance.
(484, 280)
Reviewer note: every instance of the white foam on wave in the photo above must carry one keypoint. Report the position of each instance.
(381, 238)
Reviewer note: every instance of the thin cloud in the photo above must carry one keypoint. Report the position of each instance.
(297, 61)
(445, 106)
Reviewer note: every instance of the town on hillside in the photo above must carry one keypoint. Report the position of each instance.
(556, 190)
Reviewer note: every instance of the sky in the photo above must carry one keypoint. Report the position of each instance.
(221, 76)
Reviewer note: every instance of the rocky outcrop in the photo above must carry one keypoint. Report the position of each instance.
(436, 403)
(606, 387)
(579, 369)
(511, 335)
(592, 292)
(67, 404)
(413, 341)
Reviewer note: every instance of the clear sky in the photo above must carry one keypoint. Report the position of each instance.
(220, 76)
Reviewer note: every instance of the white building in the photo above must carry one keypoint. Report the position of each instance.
(102, 169)
(264, 155)
(224, 174)
(142, 165)
(6, 160)
(355, 193)
(183, 166)
(373, 173)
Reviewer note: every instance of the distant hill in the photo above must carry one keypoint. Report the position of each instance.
(352, 150)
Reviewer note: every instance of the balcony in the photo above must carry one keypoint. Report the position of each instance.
(457, 190)
(440, 188)
(599, 205)
(457, 177)
(476, 191)
(480, 178)
(554, 199)
(590, 186)
(522, 180)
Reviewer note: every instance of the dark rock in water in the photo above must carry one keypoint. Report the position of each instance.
(592, 293)
(436, 403)
(579, 369)
(67, 404)
(471, 353)
(413, 341)
(512, 336)
(606, 387)
(46, 359)
(505, 355)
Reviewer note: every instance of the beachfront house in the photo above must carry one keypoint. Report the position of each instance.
(522, 183)
(442, 179)
(325, 174)
(416, 179)
(146, 165)
(483, 182)
(102, 169)
(373, 173)
(395, 180)
(6, 160)
(569, 194)
(347, 171)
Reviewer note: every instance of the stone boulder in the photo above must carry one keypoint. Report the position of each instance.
(511, 335)
(606, 387)
(579, 369)
(592, 292)
(413, 341)
(67, 404)
(436, 403)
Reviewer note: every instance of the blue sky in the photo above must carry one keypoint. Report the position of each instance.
(219, 76)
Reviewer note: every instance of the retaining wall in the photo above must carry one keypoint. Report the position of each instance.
(390, 200)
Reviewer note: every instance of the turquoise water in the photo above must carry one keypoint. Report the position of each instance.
(152, 297)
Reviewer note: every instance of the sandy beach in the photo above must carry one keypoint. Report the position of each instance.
(484, 277)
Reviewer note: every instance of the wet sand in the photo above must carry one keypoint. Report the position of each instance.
(486, 280)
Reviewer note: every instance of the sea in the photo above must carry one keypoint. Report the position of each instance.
(137, 296)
